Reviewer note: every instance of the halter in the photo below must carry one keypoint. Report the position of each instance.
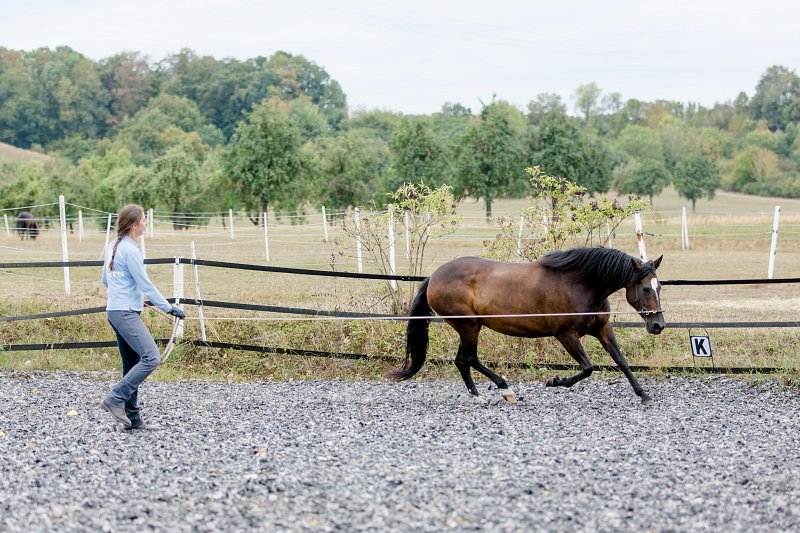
(644, 313)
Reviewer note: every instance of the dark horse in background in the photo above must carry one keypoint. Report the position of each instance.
(27, 226)
(571, 287)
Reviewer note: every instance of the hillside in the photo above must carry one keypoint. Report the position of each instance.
(10, 153)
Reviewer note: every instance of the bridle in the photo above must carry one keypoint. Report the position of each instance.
(644, 313)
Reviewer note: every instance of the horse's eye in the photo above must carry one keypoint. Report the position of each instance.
(647, 289)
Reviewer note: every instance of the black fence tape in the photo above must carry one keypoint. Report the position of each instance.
(280, 309)
(55, 264)
(301, 271)
(331, 273)
(64, 346)
(54, 314)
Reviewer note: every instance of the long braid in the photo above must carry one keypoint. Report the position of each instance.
(128, 216)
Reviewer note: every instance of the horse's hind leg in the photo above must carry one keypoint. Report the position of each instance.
(572, 343)
(462, 363)
(508, 393)
(468, 358)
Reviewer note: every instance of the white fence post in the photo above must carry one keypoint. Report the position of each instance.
(357, 217)
(519, 237)
(108, 232)
(324, 224)
(230, 221)
(773, 249)
(80, 226)
(64, 253)
(684, 230)
(151, 230)
(141, 245)
(198, 297)
(177, 277)
(637, 219)
(266, 236)
(392, 268)
(408, 236)
(5, 219)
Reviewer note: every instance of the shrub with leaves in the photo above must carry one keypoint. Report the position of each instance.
(418, 212)
(560, 215)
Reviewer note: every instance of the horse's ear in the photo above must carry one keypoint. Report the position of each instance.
(657, 262)
(635, 263)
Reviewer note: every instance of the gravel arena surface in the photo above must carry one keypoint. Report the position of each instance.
(712, 454)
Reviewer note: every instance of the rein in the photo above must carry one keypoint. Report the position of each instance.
(171, 344)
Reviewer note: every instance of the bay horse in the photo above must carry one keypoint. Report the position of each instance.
(27, 226)
(567, 291)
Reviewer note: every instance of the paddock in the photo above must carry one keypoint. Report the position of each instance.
(712, 454)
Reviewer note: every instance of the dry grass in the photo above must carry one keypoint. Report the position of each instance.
(13, 154)
(723, 246)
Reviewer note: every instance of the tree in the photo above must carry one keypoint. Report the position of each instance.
(382, 123)
(348, 167)
(641, 143)
(587, 100)
(646, 178)
(264, 160)
(299, 76)
(777, 98)
(545, 105)
(131, 82)
(561, 149)
(176, 178)
(696, 177)
(147, 134)
(752, 168)
(22, 115)
(490, 156)
(418, 155)
(308, 119)
(74, 99)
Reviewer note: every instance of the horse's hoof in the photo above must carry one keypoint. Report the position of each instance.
(552, 381)
(647, 401)
(509, 395)
(478, 400)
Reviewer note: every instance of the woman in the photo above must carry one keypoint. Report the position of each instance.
(127, 282)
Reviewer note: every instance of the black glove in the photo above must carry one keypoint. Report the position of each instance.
(176, 311)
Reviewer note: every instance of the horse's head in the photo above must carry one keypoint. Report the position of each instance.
(644, 295)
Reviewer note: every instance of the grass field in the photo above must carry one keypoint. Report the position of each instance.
(729, 238)
(12, 154)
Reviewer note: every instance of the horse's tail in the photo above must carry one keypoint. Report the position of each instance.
(416, 336)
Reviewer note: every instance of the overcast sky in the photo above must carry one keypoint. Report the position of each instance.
(414, 55)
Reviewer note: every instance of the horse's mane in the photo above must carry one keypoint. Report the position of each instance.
(600, 266)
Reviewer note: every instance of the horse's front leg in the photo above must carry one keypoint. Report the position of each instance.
(572, 343)
(609, 341)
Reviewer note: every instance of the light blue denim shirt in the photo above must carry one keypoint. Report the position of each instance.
(128, 282)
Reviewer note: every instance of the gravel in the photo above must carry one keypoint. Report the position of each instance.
(712, 454)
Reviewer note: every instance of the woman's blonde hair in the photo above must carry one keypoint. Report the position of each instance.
(128, 216)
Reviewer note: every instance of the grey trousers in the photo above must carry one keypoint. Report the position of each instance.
(134, 340)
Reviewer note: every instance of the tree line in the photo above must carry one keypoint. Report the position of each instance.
(196, 134)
